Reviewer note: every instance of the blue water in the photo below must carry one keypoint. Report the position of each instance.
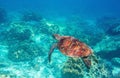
(26, 35)
(94, 8)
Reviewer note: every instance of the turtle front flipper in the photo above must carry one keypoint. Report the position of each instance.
(51, 50)
(87, 62)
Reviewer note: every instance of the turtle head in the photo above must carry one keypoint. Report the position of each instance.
(57, 36)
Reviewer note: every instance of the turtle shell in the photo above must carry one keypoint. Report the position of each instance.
(73, 47)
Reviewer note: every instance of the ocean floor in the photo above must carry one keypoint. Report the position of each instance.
(26, 39)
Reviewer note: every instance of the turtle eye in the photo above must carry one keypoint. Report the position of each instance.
(62, 47)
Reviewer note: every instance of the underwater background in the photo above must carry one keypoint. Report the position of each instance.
(27, 26)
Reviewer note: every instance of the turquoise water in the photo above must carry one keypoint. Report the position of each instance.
(26, 35)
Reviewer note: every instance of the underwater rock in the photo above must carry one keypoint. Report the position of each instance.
(3, 15)
(112, 54)
(31, 16)
(107, 22)
(109, 43)
(24, 51)
(116, 72)
(116, 61)
(114, 30)
(110, 46)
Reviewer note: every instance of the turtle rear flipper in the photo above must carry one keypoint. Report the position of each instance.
(87, 62)
(51, 50)
(94, 58)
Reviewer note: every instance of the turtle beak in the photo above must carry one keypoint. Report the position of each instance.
(56, 36)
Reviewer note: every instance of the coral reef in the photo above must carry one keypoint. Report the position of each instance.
(28, 41)
(17, 32)
(74, 68)
(25, 38)
(19, 38)
(49, 28)
(24, 51)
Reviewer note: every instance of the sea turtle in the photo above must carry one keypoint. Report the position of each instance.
(72, 47)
